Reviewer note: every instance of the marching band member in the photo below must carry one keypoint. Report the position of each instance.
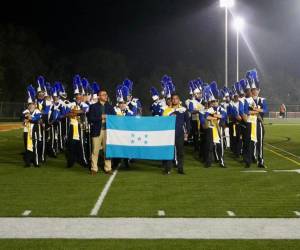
(54, 123)
(133, 103)
(250, 110)
(214, 116)
(40, 103)
(236, 115)
(64, 119)
(261, 109)
(75, 146)
(122, 109)
(194, 107)
(157, 106)
(32, 118)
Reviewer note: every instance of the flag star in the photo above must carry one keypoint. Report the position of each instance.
(146, 136)
(132, 141)
(132, 135)
(139, 138)
(145, 142)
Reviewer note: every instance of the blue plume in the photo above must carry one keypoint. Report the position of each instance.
(31, 93)
(125, 91)
(85, 83)
(154, 92)
(48, 88)
(77, 80)
(129, 84)
(165, 79)
(242, 86)
(214, 89)
(95, 88)
(41, 82)
(254, 76)
(191, 87)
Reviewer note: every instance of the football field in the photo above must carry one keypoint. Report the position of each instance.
(142, 192)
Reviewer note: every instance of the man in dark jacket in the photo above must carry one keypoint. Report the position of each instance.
(97, 119)
(182, 129)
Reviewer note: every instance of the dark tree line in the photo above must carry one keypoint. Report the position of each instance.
(23, 57)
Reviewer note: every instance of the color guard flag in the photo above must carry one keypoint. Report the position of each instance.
(137, 137)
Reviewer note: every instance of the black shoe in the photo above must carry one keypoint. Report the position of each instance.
(207, 165)
(247, 165)
(260, 165)
(27, 166)
(222, 165)
(181, 172)
(166, 172)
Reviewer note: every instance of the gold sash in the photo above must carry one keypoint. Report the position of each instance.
(74, 123)
(215, 131)
(29, 137)
(253, 121)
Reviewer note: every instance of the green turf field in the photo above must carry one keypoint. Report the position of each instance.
(54, 191)
(150, 244)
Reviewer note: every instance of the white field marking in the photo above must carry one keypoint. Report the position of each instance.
(283, 124)
(297, 213)
(104, 192)
(284, 151)
(287, 158)
(26, 213)
(150, 228)
(254, 171)
(288, 171)
(161, 213)
(231, 214)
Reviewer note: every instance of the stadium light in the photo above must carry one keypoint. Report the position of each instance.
(226, 4)
(238, 24)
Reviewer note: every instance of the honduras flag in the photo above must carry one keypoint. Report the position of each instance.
(136, 137)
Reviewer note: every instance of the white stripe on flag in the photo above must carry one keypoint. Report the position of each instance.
(140, 138)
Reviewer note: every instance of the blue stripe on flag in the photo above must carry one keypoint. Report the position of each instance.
(138, 123)
(136, 152)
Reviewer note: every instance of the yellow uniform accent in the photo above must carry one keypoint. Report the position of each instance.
(253, 120)
(40, 106)
(29, 137)
(234, 130)
(74, 123)
(215, 131)
(168, 111)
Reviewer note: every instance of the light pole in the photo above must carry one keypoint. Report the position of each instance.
(226, 4)
(238, 24)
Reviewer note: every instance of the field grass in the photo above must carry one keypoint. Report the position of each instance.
(55, 191)
(150, 244)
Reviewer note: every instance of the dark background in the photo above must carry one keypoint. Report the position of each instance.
(108, 41)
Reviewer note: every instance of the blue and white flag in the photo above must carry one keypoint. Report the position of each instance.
(135, 137)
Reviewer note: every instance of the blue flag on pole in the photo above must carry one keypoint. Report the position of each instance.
(137, 137)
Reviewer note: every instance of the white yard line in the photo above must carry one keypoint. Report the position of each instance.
(254, 171)
(288, 171)
(161, 213)
(231, 214)
(26, 213)
(104, 192)
(149, 228)
(297, 213)
(284, 151)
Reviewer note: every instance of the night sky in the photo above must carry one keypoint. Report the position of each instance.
(161, 32)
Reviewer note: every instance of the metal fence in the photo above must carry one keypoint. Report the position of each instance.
(13, 110)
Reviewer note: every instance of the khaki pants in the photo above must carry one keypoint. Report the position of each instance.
(99, 143)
